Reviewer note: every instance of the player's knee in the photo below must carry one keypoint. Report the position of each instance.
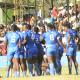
(9, 63)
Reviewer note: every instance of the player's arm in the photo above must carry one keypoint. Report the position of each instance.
(20, 45)
(42, 35)
(58, 38)
(6, 43)
(69, 39)
(25, 40)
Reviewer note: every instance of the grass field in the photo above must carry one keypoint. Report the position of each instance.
(63, 76)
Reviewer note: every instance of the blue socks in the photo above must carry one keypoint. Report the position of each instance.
(56, 71)
(7, 73)
(36, 69)
(48, 70)
(70, 70)
(24, 73)
(15, 73)
(52, 68)
(30, 69)
(18, 73)
(77, 71)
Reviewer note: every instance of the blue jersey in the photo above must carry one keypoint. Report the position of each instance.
(69, 32)
(37, 39)
(50, 37)
(31, 36)
(22, 38)
(13, 39)
(74, 35)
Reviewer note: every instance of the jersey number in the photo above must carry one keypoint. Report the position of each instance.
(37, 40)
(32, 37)
(12, 39)
(51, 37)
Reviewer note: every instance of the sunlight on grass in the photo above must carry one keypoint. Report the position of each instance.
(63, 76)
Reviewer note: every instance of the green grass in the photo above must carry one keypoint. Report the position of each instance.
(63, 76)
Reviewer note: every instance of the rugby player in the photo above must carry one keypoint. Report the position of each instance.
(39, 46)
(25, 65)
(50, 38)
(71, 47)
(32, 51)
(12, 39)
(59, 52)
(22, 52)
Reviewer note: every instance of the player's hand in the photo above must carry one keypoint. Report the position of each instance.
(69, 45)
(65, 50)
(57, 45)
(41, 30)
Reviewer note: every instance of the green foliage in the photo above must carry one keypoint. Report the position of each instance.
(10, 13)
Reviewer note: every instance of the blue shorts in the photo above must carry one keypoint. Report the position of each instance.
(30, 52)
(60, 50)
(71, 51)
(11, 54)
(51, 51)
(22, 55)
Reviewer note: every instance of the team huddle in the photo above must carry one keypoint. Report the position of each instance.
(28, 46)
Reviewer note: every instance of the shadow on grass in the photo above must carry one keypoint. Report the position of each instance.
(0, 77)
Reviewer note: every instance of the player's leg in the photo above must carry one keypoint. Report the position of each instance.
(74, 59)
(76, 64)
(16, 63)
(10, 71)
(56, 66)
(30, 56)
(69, 56)
(8, 67)
(35, 55)
(56, 61)
(25, 66)
(60, 56)
(40, 58)
(50, 59)
(70, 64)
(45, 67)
(9, 59)
(22, 63)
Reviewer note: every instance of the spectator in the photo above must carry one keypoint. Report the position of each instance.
(54, 15)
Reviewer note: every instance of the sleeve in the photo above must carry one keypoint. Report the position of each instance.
(43, 36)
(19, 38)
(58, 36)
(6, 37)
(68, 33)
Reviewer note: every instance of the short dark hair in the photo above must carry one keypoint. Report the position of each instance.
(24, 24)
(53, 26)
(36, 29)
(28, 26)
(18, 28)
(49, 25)
(14, 27)
(49, 16)
(66, 25)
